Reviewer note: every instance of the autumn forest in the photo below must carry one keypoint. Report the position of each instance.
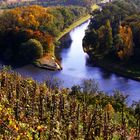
(29, 32)
(115, 30)
(34, 110)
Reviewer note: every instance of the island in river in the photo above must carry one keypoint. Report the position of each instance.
(112, 38)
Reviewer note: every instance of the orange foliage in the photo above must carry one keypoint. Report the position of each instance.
(31, 17)
(109, 108)
(126, 49)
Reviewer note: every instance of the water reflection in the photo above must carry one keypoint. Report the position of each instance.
(65, 41)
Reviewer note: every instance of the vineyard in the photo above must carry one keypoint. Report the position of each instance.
(33, 111)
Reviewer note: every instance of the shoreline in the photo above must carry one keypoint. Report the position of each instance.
(48, 61)
(72, 26)
(77, 23)
(117, 69)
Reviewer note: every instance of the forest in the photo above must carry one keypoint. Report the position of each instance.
(113, 36)
(9, 4)
(69, 2)
(31, 110)
(27, 33)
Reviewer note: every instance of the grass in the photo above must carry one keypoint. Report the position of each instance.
(75, 24)
(94, 7)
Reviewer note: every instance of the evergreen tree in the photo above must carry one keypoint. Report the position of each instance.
(108, 35)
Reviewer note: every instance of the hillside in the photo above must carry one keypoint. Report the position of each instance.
(29, 110)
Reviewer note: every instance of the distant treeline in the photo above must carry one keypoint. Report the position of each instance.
(70, 2)
(46, 3)
(26, 33)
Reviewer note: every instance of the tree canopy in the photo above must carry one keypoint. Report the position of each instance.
(114, 31)
(21, 24)
(46, 3)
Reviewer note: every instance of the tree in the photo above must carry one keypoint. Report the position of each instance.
(105, 38)
(21, 24)
(31, 50)
(108, 34)
(137, 116)
(90, 42)
(90, 86)
(125, 43)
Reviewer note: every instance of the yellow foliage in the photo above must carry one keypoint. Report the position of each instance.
(126, 50)
(109, 108)
(31, 17)
(120, 54)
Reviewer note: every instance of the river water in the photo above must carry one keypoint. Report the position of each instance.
(76, 68)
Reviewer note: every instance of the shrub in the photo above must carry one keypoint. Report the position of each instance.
(30, 50)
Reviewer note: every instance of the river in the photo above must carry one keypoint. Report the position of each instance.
(76, 68)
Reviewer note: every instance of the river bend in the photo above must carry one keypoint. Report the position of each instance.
(76, 68)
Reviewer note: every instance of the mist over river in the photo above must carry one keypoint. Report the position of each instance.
(76, 68)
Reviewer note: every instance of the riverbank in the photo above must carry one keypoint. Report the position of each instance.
(131, 72)
(50, 62)
(72, 26)
(77, 23)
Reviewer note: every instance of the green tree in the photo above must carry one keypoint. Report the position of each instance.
(108, 35)
(137, 116)
(30, 50)
(90, 42)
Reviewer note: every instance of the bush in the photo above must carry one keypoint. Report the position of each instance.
(30, 50)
